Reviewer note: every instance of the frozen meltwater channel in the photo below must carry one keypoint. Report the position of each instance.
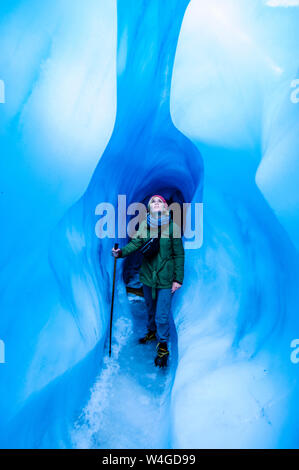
(129, 402)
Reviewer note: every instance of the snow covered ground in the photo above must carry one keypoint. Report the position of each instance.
(129, 403)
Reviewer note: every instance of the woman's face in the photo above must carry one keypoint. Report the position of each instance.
(157, 205)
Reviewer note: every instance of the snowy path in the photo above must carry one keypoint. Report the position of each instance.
(129, 402)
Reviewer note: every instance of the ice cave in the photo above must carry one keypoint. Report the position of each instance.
(198, 101)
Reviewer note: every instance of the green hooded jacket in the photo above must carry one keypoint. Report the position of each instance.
(168, 265)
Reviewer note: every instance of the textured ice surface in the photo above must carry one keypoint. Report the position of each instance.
(66, 146)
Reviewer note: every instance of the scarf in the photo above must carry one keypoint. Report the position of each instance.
(157, 221)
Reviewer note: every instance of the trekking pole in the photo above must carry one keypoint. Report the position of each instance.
(111, 313)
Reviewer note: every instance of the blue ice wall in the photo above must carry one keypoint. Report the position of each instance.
(43, 172)
(235, 383)
(79, 127)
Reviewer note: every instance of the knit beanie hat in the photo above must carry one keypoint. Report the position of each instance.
(161, 197)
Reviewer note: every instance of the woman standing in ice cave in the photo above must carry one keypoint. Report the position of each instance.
(161, 272)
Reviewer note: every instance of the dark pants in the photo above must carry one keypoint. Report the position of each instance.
(158, 311)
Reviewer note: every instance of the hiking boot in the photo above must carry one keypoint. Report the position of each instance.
(162, 355)
(150, 336)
